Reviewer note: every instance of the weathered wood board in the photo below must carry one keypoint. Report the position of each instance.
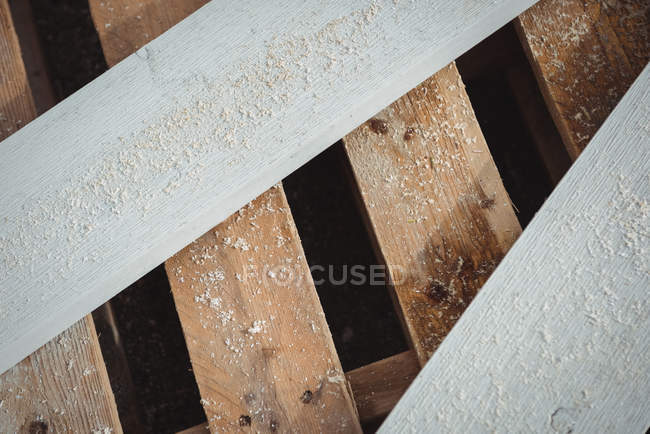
(261, 350)
(437, 209)
(195, 124)
(559, 337)
(378, 386)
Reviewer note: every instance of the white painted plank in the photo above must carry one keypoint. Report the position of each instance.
(559, 337)
(168, 143)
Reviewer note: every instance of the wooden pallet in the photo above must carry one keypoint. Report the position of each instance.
(436, 211)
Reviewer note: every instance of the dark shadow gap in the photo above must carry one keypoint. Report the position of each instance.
(492, 71)
(362, 318)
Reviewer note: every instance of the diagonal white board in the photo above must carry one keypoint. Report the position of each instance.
(558, 339)
(172, 140)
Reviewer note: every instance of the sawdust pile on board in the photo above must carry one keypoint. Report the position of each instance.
(259, 323)
(421, 185)
(50, 239)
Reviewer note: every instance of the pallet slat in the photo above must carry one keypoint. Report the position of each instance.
(378, 386)
(63, 386)
(585, 55)
(438, 212)
(558, 339)
(260, 347)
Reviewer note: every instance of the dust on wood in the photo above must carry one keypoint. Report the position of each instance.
(585, 55)
(255, 330)
(228, 286)
(437, 209)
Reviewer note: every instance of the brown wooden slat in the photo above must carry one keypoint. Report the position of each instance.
(437, 210)
(261, 351)
(63, 386)
(585, 55)
(378, 386)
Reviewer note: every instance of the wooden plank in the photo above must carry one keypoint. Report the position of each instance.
(378, 386)
(585, 55)
(181, 134)
(63, 386)
(437, 209)
(558, 339)
(258, 345)
(261, 350)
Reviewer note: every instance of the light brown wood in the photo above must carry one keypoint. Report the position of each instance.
(437, 210)
(126, 25)
(260, 347)
(63, 386)
(378, 386)
(585, 55)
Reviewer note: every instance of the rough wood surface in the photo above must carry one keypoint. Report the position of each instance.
(558, 340)
(63, 386)
(585, 55)
(261, 350)
(181, 134)
(246, 331)
(437, 209)
(378, 386)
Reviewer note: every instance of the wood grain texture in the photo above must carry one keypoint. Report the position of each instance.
(585, 55)
(63, 386)
(124, 26)
(438, 212)
(195, 124)
(378, 386)
(260, 379)
(261, 350)
(17, 105)
(558, 340)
